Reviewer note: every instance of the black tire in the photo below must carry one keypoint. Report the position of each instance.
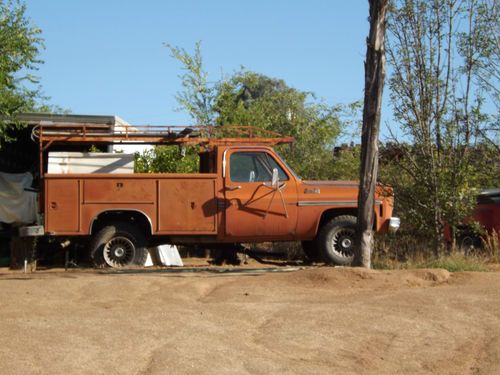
(310, 250)
(335, 240)
(118, 246)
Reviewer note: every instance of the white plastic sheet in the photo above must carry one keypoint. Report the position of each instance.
(17, 206)
(164, 255)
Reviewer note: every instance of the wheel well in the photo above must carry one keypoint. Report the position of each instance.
(136, 218)
(334, 212)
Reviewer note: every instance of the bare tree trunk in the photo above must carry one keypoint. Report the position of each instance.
(374, 84)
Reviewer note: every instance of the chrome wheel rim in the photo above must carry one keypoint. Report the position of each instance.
(119, 252)
(343, 242)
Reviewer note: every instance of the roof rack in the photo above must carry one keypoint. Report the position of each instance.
(48, 133)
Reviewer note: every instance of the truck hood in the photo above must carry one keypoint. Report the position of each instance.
(345, 191)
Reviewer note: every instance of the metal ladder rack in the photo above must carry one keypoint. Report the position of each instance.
(48, 133)
(86, 133)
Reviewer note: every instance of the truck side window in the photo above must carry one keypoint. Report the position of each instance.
(254, 167)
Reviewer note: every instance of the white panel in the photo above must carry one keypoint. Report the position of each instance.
(90, 162)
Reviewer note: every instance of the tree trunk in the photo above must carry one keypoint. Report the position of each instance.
(374, 84)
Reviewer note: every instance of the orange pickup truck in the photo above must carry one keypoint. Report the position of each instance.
(244, 192)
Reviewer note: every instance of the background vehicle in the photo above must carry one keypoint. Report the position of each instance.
(486, 215)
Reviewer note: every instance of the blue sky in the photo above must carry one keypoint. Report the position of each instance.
(107, 57)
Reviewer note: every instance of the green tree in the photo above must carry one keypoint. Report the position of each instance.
(346, 162)
(20, 45)
(198, 94)
(166, 159)
(249, 98)
(437, 58)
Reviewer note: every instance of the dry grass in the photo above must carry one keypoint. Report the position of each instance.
(491, 246)
(456, 262)
(409, 252)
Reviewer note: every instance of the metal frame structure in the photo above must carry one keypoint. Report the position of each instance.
(49, 133)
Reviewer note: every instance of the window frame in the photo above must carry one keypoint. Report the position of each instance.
(266, 164)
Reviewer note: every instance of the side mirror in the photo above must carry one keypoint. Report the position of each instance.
(275, 179)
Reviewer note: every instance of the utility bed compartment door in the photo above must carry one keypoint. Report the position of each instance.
(62, 206)
(187, 205)
(119, 190)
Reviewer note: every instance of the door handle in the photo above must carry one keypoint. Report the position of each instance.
(233, 187)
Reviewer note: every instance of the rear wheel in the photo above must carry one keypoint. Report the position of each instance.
(336, 240)
(117, 246)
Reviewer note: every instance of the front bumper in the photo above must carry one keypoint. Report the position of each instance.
(394, 223)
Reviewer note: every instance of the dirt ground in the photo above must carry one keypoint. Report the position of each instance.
(317, 320)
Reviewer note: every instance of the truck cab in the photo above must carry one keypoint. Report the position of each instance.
(265, 200)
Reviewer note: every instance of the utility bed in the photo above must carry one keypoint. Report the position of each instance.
(173, 203)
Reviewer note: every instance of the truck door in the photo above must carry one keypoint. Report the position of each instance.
(254, 209)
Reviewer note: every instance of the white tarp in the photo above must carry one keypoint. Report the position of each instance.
(16, 204)
(90, 162)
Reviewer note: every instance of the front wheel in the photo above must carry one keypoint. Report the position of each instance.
(118, 246)
(336, 240)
